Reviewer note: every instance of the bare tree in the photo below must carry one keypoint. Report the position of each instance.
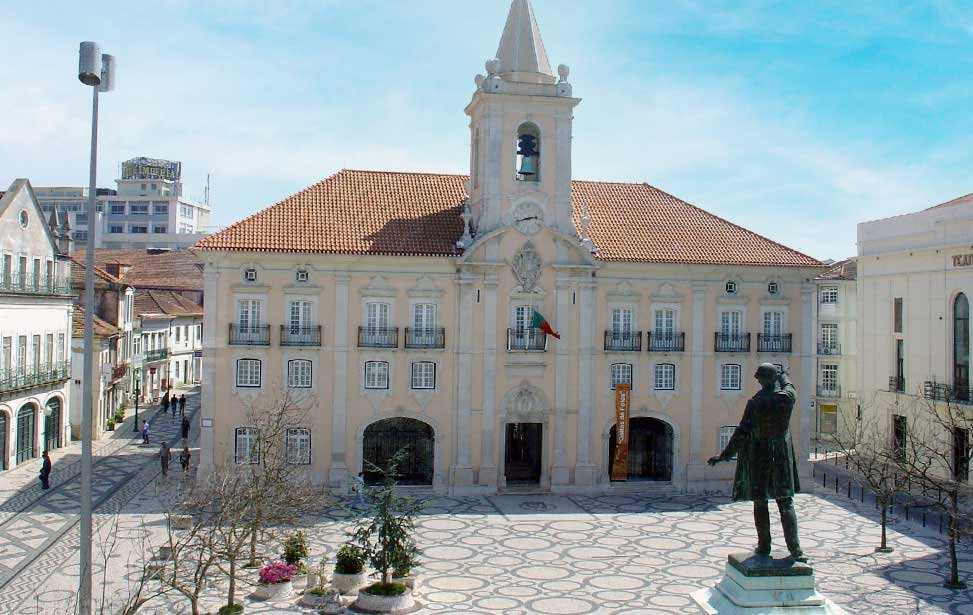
(867, 447)
(936, 454)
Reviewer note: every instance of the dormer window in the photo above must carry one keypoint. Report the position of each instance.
(528, 153)
(250, 275)
(730, 287)
(302, 275)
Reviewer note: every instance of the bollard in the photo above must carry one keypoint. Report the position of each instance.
(863, 494)
(923, 518)
(836, 484)
(940, 523)
(824, 482)
(906, 513)
(849, 489)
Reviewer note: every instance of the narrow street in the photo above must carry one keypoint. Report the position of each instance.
(39, 529)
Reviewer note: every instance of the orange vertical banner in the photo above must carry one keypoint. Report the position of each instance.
(623, 407)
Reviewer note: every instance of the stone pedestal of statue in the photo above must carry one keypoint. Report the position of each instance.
(761, 585)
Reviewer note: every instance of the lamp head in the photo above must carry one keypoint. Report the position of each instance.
(89, 63)
(107, 73)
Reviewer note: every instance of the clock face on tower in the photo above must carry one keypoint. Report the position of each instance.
(528, 218)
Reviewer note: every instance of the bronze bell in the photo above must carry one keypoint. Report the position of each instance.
(528, 165)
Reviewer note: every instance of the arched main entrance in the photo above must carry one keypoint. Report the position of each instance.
(650, 448)
(52, 425)
(26, 430)
(961, 348)
(385, 438)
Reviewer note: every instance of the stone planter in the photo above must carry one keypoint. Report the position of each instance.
(302, 581)
(274, 592)
(181, 522)
(385, 604)
(349, 584)
(330, 603)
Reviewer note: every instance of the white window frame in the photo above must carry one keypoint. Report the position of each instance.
(621, 373)
(300, 373)
(773, 322)
(246, 445)
(245, 373)
(731, 377)
(373, 380)
(297, 443)
(829, 295)
(829, 340)
(299, 314)
(729, 325)
(829, 376)
(726, 433)
(423, 375)
(377, 315)
(622, 320)
(664, 377)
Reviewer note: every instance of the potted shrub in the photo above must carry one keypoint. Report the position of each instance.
(231, 609)
(349, 570)
(295, 552)
(111, 424)
(323, 598)
(387, 540)
(402, 571)
(275, 581)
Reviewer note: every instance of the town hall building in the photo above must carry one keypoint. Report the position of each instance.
(409, 310)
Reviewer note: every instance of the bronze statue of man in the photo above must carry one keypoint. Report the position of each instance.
(766, 467)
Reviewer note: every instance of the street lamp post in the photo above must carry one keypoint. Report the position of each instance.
(135, 427)
(97, 70)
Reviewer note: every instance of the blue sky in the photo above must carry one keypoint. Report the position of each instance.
(794, 119)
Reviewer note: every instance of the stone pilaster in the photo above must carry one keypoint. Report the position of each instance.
(561, 472)
(338, 472)
(207, 408)
(697, 360)
(585, 468)
(488, 444)
(806, 381)
(461, 472)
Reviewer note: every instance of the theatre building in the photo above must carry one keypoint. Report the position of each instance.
(411, 308)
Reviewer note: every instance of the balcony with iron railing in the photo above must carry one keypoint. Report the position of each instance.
(829, 390)
(732, 342)
(623, 341)
(300, 336)
(156, 354)
(34, 376)
(434, 337)
(118, 372)
(526, 340)
(829, 348)
(897, 384)
(378, 337)
(29, 284)
(250, 335)
(939, 391)
(667, 342)
(780, 343)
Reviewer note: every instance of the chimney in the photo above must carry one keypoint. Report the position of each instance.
(65, 243)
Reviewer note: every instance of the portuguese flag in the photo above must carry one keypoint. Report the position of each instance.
(539, 322)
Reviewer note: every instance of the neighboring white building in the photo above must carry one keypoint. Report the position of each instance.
(837, 328)
(147, 210)
(109, 394)
(171, 341)
(35, 326)
(915, 280)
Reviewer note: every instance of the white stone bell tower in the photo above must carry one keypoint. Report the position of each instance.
(520, 130)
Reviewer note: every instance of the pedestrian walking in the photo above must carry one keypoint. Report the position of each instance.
(165, 403)
(46, 472)
(184, 458)
(182, 405)
(358, 485)
(165, 456)
(145, 431)
(185, 428)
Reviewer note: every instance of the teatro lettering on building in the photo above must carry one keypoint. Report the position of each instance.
(410, 308)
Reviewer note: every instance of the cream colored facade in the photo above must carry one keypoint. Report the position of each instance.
(920, 261)
(524, 251)
(836, 402)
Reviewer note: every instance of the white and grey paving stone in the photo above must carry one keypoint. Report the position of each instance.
(622, 553)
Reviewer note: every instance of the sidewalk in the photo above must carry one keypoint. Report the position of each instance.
(20, 486)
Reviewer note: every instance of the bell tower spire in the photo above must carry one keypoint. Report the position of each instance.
(520, 134)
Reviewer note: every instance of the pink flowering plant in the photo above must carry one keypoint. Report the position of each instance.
(277, 572)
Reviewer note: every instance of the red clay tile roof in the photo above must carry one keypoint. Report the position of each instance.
(843, 270)
(966, 198)
(418, 214)
(100, 328)
(164, 302)
(173, 269)
(102, 278)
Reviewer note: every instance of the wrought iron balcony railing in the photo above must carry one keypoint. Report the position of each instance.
(623, 341)
(897, 384)
(667, 342)
(526, 340)
(250, 335)
(29, 284)
(732, 342)
(34, 376)
(157, 354)
(300, 336)
(434, 337)
(119, 371)
(378, 337)
(829, 390)
(829, 348)
(774, 343)
(940, 391)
